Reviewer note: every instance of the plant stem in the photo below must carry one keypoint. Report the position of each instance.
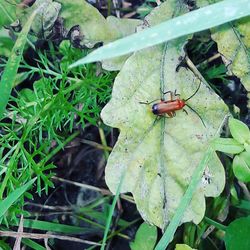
(109, 7)
(215, 224)
(104, 143)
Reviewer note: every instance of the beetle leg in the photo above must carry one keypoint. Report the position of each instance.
(157, 118)
(175, 94)
(184, 110)
(171, 94)
(170, 114)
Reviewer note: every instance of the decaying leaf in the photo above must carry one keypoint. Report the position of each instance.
(93, 25)
(155, 158)
(234, 44)
(233, 41)
(45, 18)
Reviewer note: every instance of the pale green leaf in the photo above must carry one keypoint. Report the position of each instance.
(183, 247)
(156, 158)
(145, 237)
(201, 19)
(227, 145)
(94, 27)
(247, 147)
(239, 131)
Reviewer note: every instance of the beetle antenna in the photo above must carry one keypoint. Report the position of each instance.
(197, 115)
(193, 93)
(147, 103)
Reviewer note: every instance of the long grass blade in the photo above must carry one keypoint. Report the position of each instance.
(195, 21)
(175, 222)
(54, 227)
(10, 71)
(186, 199)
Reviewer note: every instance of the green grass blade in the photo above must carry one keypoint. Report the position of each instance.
(10, 71)
(175, 222)
(195, 21)
(111, 212)
(32, 244)
(54, 227)
(6, 203)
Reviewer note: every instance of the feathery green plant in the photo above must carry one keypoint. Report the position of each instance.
(61, 102)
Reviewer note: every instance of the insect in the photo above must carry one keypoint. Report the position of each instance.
(168, 107)
(206, 177)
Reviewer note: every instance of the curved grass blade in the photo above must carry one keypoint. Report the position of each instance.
(195, 21)
(10, 72)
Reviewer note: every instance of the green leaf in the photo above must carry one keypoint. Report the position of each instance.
(198, 20)
(239, 130)
(94, 27)
(227, 145)
(158, 157)
(13, 197)
(10, 71)
(7, 12)
(145, 237)
(241, 166)
(244, 204)
(6, 44)
(237, 234)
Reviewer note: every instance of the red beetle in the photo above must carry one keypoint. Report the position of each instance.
(170, 106)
